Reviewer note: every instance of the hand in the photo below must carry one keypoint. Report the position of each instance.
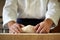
(15, 27)
(44, 27)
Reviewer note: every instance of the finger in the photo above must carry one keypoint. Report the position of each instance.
(36, 27)
(11, 31)
(18, 27)
(15, 29)
(43, 30)
(39, 29)
(47, 30)
(21, 25)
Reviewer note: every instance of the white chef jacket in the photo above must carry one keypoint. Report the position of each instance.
(14, 9)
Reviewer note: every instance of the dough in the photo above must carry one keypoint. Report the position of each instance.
(28, 29)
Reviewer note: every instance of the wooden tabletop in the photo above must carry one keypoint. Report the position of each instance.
(30, 36)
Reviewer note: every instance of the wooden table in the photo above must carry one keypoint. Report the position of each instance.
(30, 36)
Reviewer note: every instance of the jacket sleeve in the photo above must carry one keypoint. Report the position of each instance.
(9, 11)
(53, 11)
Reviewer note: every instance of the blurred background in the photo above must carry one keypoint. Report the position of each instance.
(2, 29)
(5, 29)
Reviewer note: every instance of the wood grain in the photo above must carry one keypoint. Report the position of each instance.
(30, 36)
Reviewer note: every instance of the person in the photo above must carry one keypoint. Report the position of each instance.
(43, 14)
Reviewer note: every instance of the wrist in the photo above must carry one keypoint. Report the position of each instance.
(49, 21)
(11, 23)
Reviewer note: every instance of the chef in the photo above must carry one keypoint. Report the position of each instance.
(42, 14)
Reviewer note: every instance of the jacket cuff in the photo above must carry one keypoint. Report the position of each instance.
(5, 22)
(54, 19)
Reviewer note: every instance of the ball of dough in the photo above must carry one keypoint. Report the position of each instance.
(28, 29)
